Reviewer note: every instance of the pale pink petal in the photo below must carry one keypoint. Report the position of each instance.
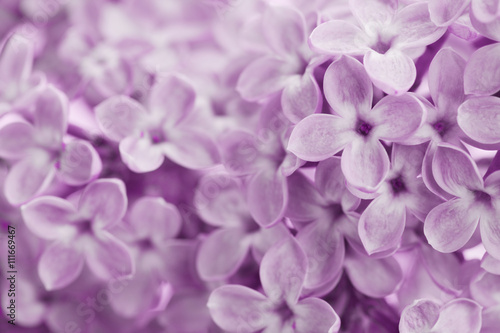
(267, 197)
(443, 268)
(427, 176)
(16, 61)
(79, 163)
(301, 98)
(283, 271)
(382, 224)
(172, 97)
(264, 239)
(239, 309)
(119, 116)
(450, 225)
(491, 319)
(455, 171)
(489, 30)
(192, 150)
(315, 315)
(492, 182)
(59, 265)
(154, 217)
(373, 12)
(330, 180)
(485, 10)
(393, 72)
(373, 277)
(284, 29)
(305, 203)
(140, 154)
(240, 152)
(490, 231)
(49, 217)
(108, 257)
(444, 13)
(319, 136)
(419, 316)
(461, 316)
(263, 77)
(415, 27)
(50, 118)
(104, 201)
(339, 37)
(446, 80)
(482, 76)
(490, 264)
(221, 254)
(347, 87)
(365, 164)
(29, 177)
(396, 118)
(485, 289)
(16, 136)
(479, 118)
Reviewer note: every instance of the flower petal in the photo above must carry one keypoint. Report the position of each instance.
(490, 231)
(50, 118)
(373, 12)
(393, 72)
(461, 316)
(339, 37)
(482, 76)
(49, 217)
(396, 117)
(173, 97)
(108, 257)
(373, 277)
(240, 152)
(283, 271)
(16, 61)
(264, 239)
(238, 309)
(319, 136)
(489, 30)
(446, 80)
(79, 163)
(485, 289)
(119, 116)
(365, 164)
(16, 136)
(104, 201)
(59, 265)
(485, 10)
(315, 315)
(267, 197)
(284, 29)
(382, 224)
(301, 98)
(419, 316)
(347, 87)
(192, 150)
(490, 264)
(455, 171)
(450, 225)
(444, 13)
(479, 118)
(304, 201)
(140, 155)
(221, 254)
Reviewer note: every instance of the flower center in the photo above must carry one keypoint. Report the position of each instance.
(440, 127)
(397, 185)
(284, 311)
(145, 244)
(482, 197)
(364, 128)
(84, 227)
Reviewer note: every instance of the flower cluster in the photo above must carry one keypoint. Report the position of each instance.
(268, 166)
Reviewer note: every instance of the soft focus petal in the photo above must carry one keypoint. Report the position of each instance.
(49, 217)
(485, 289)
(119, 116)
(284, 29)
(491, 319)
(393, 72)
(267, 197)
(461, 316)
(455, 171)
(240, 152)
(490, 264)
(304, 202)
(16, 136)
(489, 30)
(396, 117)
(372, 12)
(490, 231)
(347, 87)
(319, 136)
(315, 315)
(365, 164)
(221, 254)
(450, 225)
(481, 73)
(79, 163)
(283, 271)
(238, 309)
(104, 201)
(264, 239)
(419, 317)
(329, 179)
(50, 118)
(444, 13)
(140, 155)
(339, 37)
(59, 265)
(192, 150)
(486, 10)
(479, 118)
(16, 61)
(446, 80)
(301, 98)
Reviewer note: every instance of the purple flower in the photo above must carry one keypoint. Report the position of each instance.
(79, 234)
(386, 40)
(358, 129)
(282, 273)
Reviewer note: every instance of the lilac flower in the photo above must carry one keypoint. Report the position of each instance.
(451, 224)
(357, 129)
(386, 40)
(282, 273)
(79, 233)
(38, 151)
(147, 137)
(425, 315)
(485, 11)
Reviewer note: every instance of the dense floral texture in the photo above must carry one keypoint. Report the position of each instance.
(268, 166)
